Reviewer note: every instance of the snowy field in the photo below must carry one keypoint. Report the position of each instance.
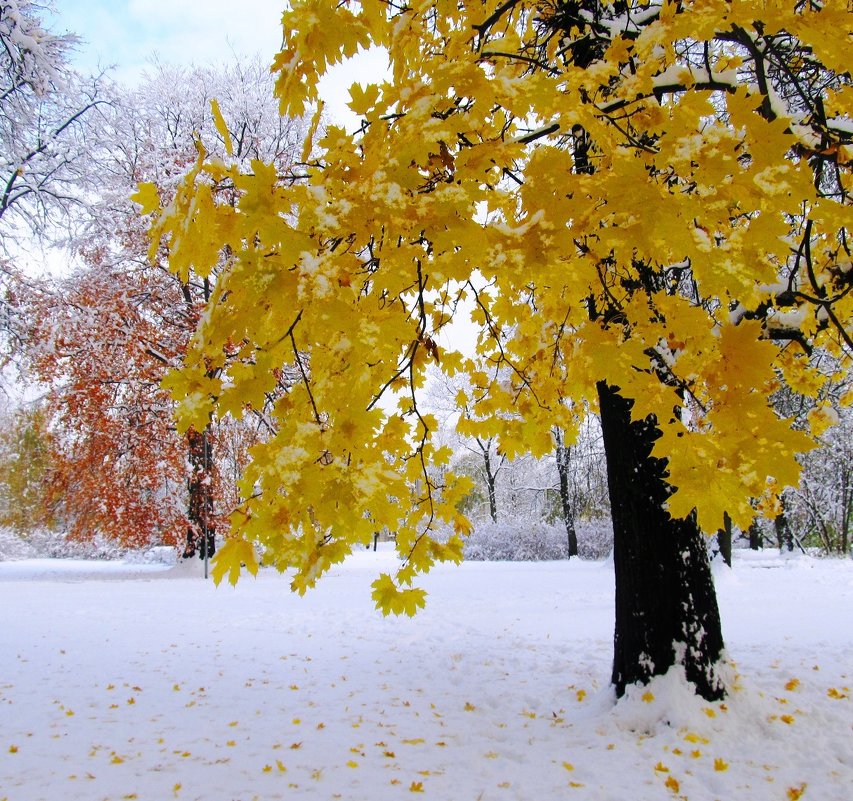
(123, 681)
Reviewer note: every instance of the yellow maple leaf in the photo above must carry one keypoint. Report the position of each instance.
(821, 418)
(231, 558)
(390, 599)
(221, 126)
(148, 197)
(362, 99)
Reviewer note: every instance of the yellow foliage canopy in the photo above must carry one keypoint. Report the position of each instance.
(634, 196)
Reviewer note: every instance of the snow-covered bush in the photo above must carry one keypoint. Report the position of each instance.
(595, 538)
(48, 544)
(155, 555)
(530, 541)
(14, 546)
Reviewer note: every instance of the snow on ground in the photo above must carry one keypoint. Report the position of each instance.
(132, 681)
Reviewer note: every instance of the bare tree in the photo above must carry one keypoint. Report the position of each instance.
(43, 140)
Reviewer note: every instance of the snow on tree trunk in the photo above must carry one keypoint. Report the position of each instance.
(666, 607)
(201, 531)
(491, 480)
(846, 507)
(563, 458)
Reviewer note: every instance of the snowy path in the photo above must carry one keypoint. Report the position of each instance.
(133, 682)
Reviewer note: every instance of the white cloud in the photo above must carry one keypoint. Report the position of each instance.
(127, 34)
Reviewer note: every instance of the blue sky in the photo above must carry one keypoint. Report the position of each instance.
(125, 33)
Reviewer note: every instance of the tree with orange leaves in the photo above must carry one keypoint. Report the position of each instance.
(102, 339)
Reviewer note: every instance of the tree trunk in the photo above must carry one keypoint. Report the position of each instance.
(784, 537)
(490, 482)
(756, 541)
(563, 462)
(846, 508)
(666, 607)
(201, 531)
(724, 540)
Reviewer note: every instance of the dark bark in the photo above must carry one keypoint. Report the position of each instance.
(846, 507)
(784, 537)
(201, 530)
(756, 541)
(563, 461)
(582, 145)
(491, 478)
(724, 540)
(666, 607)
